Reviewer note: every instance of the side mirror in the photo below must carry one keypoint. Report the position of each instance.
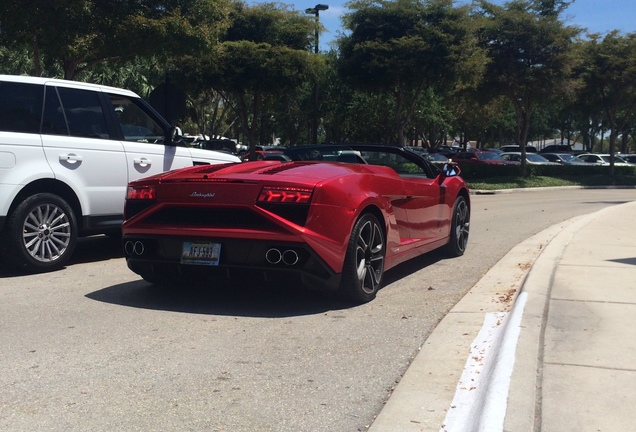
(450, 170)
(176, 136)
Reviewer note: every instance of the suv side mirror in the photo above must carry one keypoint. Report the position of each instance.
(176, 136)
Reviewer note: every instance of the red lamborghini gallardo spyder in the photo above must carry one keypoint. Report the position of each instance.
(332, 217)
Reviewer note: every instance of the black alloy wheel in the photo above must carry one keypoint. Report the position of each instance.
(460, 227)
(364, 263)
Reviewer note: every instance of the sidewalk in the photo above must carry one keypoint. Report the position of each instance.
(552, 349)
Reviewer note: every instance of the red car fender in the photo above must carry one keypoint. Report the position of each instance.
(329, 228)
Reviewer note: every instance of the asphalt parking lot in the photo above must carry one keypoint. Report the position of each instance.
(93, 347)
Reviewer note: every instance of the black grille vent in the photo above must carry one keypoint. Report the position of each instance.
(208, 217)
(134, 207)
(296, 213)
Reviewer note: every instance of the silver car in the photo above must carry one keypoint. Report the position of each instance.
(565, 159)
(531, 158)
(602, 159)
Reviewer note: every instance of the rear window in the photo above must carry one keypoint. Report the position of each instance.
(20, 107)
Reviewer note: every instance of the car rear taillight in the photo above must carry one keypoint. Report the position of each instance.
(291, 195)
(141, 193)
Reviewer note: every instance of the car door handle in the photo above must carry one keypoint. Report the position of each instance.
(70, 158)
(143, 162)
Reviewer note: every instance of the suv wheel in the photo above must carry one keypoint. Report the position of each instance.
(40, 234)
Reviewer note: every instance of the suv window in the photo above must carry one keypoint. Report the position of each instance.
(135, 124)
(53, 120)
(84, 113)
(20, 107)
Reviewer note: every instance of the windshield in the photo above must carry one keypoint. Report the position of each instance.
(436, 157)
(535, 158)
(489, 156)
(401, 161)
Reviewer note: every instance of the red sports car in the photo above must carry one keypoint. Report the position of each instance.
(334, 217)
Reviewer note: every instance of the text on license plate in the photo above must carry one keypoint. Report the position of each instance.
(201, 253)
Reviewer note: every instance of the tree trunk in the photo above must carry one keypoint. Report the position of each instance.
(249, 128)
(37, 59)
(522, 110)
(612, 149)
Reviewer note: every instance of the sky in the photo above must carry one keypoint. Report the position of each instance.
(597, 16)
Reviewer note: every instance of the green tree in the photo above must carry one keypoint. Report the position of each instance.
(400, 48)
(347, 114)
(432, 118)
(76, 35)
(530, 55)
(137, 74)
(609, 73)
(14, 61)
(265, 53)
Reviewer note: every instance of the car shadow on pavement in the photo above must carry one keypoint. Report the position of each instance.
(88, 249)
(226, 299)
(250, 299)
(96, 248)
(412, 266)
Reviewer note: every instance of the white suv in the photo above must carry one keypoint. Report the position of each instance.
(67, 152)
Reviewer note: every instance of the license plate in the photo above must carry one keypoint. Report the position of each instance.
(201, 253)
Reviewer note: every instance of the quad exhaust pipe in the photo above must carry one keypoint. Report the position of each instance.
(134, 248)
(288, 257)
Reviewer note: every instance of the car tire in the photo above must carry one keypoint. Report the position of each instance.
(364, 262)
(40, 234)
(460, 224)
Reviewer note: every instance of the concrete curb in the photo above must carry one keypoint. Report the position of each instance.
(524, 398)
(423, 397)
(538, 189)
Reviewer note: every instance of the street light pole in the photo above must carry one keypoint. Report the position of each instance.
(316, 12)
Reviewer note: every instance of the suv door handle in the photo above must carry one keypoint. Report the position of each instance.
(142, 162)
(70, 158)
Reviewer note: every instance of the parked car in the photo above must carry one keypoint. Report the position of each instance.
(602, 159)
(516, 148)
(556, 148)
(447, 151)
(629, 158)
(67, 152)
(417, 149)
(265, 152)
(564, 159)
(225, 145)
(436, 158)
(493, 149)
(335, 217)
(480, 157)
(277, 156)
(531, 158)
